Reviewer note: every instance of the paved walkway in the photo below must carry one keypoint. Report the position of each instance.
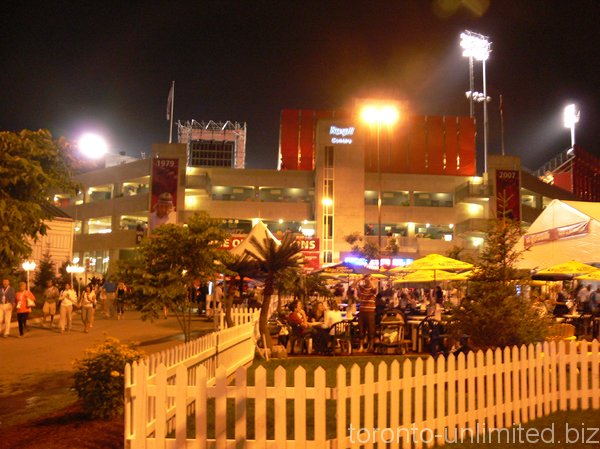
(43, 351)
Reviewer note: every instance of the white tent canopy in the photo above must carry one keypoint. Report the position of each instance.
(261, 232)
(564, 231)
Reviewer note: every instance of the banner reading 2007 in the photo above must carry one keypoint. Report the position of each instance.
(508, 200)
(163, 202)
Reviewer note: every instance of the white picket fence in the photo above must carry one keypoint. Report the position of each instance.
(417, 403)
(229, 348)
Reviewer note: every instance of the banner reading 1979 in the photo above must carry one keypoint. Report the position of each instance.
(508, 199)
(163, 202)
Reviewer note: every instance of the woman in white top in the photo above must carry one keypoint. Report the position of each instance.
(68, 298)
(87, 303)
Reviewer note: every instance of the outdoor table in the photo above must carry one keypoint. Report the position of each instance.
(413, 322)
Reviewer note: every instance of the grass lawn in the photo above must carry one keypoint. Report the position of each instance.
(573, 429)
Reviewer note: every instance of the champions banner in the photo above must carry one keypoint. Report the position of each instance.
(551, 235)
(309, 248)
(508, 198)
(163, 199)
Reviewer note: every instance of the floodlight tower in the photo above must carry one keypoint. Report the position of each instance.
(570, 118)
(478, 47)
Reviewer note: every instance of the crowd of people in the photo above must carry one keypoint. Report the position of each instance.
(366, 304)
(60, 303)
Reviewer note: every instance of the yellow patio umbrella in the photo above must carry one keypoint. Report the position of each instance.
(572, 267)
(591, 276)
(465, 276)
(435, 263)
(427, 276)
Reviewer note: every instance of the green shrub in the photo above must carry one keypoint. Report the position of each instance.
(99, 378)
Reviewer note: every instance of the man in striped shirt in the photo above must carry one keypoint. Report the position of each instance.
(366, 293)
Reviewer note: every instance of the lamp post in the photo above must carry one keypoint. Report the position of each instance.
(378, 115)
(478, 47)
(570, 118)
(74, 268)
(28, 266)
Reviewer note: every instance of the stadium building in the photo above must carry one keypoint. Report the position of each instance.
(414, 181)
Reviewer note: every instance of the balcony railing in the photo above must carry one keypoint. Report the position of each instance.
(472, 191)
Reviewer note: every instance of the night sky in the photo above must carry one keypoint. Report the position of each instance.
(108, 67)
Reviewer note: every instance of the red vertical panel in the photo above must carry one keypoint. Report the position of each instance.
(417, 147)
(466, 146)
(451, 144)
(308, 125)
(289, 139)
(398, 157)
(435, 145)
(370, 140)
(564, 181)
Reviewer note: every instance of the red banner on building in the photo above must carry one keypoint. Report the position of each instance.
(550, 235)
(508, 198)
(163, 199)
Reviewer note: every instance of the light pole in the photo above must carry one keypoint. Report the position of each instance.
(570, 118)
(28, 266)
(71, 269)
(379, 114)
(478, 47)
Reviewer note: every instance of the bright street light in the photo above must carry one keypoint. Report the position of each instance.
(74, 268)
(379, 114)
(92, 146)
(28, 266)
(477, 47)
(570, 118)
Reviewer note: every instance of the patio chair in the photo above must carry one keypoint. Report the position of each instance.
(432, 334)
(341, 336)
(301, 335)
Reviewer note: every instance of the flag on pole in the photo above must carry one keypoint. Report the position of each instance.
(170, 101)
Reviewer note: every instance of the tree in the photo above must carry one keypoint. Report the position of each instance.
(494, 314)
(33, 166)
(46, 271)
(362, 247)
(274, 259)
(166, 263)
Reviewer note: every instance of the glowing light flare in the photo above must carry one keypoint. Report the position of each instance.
(327, 202)
(29, 265)
(92, 146)
(475, 46)
(570, 116)
(384, 114)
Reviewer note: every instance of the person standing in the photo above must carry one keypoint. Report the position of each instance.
(217, 298)
(367, 294)
(7, 304)
(202, 300)
(50, 299)
(87, 303)
(68, 298)
(24, 302)
(109, 288)
(120, 294)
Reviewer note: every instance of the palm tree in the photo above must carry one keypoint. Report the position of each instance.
(245, 267)
(274, 258)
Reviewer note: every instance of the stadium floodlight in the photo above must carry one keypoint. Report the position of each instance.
(570, 118)
(93, 146)
(477, 47)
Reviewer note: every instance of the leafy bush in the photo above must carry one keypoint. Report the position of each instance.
(99, 377)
